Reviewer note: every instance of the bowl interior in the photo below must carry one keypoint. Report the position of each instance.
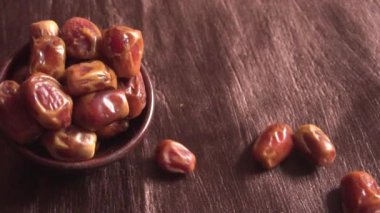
(109, 150)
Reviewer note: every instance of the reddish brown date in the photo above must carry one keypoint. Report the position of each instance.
(46, 101)
(43, 28)
(48, 56)
(89, 77)
(360, 193)
(97, 110)
(273, 145)
(315, 144)
(124, 47)
(175, 157)
(370, 208)
(81, 37)
(16, 123)
(113, 129)
(136, 94)
(71, 144)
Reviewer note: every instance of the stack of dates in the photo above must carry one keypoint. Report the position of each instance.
(81, 85)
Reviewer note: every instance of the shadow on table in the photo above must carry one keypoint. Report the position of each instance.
(23, 184)
(15, 181)
(246, 165)
(334, 201)
(297, 165)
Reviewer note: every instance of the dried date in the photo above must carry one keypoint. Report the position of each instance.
(47, 102)
(81, 37)
(273, 145)
(43, 28)
(16, 122)
(97, 110)
(89, 77)
(315, 144)
(48, 56)
(71, 144)
(136, 94)
(175, 157)
(360, 193)
(124, 47)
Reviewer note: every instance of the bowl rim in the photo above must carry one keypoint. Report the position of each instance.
(94, 162)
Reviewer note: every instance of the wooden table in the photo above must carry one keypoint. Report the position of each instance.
(223, 70)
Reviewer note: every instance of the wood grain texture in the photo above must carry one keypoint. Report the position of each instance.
(223, 70)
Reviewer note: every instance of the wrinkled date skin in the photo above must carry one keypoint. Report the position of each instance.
(48, 56)
(124, 47)
(46, 101)
(175, 157)
(81, 37)
(273, 145)
(315, 144)
(360, 193)
(97, 110)
(71, 144)
(16, 123)
(136, 94)
(113, 129)
(89, 77)
(43, 28)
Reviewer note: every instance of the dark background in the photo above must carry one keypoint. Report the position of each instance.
(223, 70)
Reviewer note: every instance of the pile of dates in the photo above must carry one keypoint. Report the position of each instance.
(81, 85)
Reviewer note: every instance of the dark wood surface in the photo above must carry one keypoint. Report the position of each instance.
(223, 70)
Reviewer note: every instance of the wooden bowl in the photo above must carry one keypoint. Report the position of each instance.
(109, 151)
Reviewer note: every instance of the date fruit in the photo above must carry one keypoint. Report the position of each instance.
(315, 144)
(43, 28)
(175, 157)
(97, 110)
(124, 47)
(273, 145)
(136, 94)
(46, 101)
(71, 144)
(113, 129)
(360, 193)
(48, 56)
(81, 37)
(89, 77)
(370, 208)
(16, 123)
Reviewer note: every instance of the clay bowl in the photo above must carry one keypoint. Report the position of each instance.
(109, 151)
